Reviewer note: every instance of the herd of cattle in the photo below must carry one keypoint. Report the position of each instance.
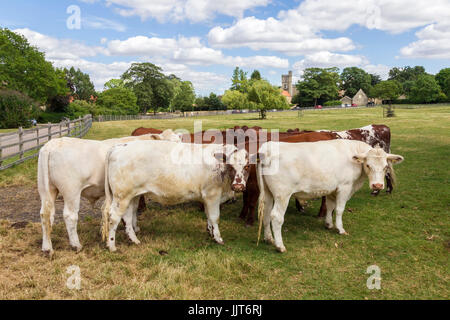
(210, 167)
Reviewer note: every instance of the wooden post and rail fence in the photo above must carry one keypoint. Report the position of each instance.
(22, 145)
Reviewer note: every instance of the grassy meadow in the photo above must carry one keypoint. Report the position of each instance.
(406, 234)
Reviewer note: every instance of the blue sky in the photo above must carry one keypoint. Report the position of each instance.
(203, 40)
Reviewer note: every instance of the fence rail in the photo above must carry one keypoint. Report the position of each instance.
(21, 145)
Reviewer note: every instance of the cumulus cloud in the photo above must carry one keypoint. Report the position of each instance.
(101, 23)
(188, 51)
(179, 10)
(434, 43)
(325, 59)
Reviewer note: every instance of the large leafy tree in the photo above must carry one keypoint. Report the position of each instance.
(151, 87)
(235, 100)
(387, 90)
(79, 83)
(353, 79)
(443, 79)
(239, 80)
(263, 96)
(425, 90)
(118, 101)
(114, 83)
(24, 68)
(256, 75)
(317, 86)
(406, 76)
(185, 97)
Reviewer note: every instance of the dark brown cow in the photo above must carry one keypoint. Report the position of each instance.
(141, 131)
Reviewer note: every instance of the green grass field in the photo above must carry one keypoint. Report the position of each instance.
(406, 234)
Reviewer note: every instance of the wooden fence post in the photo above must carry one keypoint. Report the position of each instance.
(68, 128)
(37, 136)
(49, 128)
(60, 130)
(1, 151)
(21, 142)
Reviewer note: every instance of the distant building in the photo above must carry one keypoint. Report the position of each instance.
(360, 98)
(287, 95)
(346, 100)
(286, 84)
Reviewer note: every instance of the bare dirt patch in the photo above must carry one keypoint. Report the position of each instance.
(22, 203)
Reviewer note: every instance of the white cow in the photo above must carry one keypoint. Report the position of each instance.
(75, 167)
(334, 168)
(170, 173)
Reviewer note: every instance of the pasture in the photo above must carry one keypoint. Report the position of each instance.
(406, 234)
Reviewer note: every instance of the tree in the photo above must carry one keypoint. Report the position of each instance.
(118, 101)
(406, 76)
(16, 109)
(387, 90)
(235, 100)
(114, 83)
(255, 75)
(425, 90)
(353, 79)
(184, 99)
(24, 68)
(152, 89)
(213, 102)
(79, 83)
(374, 79)
(317, 86)
(239, 80)
(263, 96)
(443, 79)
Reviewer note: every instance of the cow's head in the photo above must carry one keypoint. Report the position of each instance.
(236, 167)
(375, 164)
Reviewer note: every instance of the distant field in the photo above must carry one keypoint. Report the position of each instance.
(406, 234)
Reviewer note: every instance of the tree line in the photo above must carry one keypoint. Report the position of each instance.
(323, 85)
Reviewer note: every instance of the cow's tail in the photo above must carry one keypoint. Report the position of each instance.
(261, 185)
(44, 189)
(108, 199)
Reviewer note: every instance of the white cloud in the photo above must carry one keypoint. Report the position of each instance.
(434, 43)
(179, 10)
(59, 48)
(325, 59)
(101, 23)
(188, 51)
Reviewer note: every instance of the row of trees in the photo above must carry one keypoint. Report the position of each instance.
(319, 85)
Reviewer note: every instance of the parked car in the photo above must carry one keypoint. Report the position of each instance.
(354, 105)
(318, 107)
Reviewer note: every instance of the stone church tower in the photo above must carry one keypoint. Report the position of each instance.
(286, 84)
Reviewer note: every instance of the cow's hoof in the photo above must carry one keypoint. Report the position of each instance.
(269, 241)
(112, 248)
(78, 248)
(136, 241)
(328, 225)
(49, 253)
(343, 232)
(220, 241)
(281, 249)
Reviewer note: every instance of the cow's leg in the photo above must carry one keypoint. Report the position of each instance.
(47, 214)
(268, 206)
(330, 205)
(323, 208)
(212, 208)
(389, 186)
(277, 215)
(117, 211)
(299, 207)
(244, 210)
(252, 203)
(70, 214)
(142, 206)
(129, 223)
(135, 204)
(341, 199)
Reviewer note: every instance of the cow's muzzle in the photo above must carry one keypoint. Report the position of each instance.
(238, 187)
(377, 187)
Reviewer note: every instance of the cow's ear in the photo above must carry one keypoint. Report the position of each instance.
(155, 137)
(394, 158)
(359, 158)
(221, 157)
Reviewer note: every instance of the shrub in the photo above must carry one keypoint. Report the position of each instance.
(79, 108)
(117, 101)
(332, 103)
(16, 109)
